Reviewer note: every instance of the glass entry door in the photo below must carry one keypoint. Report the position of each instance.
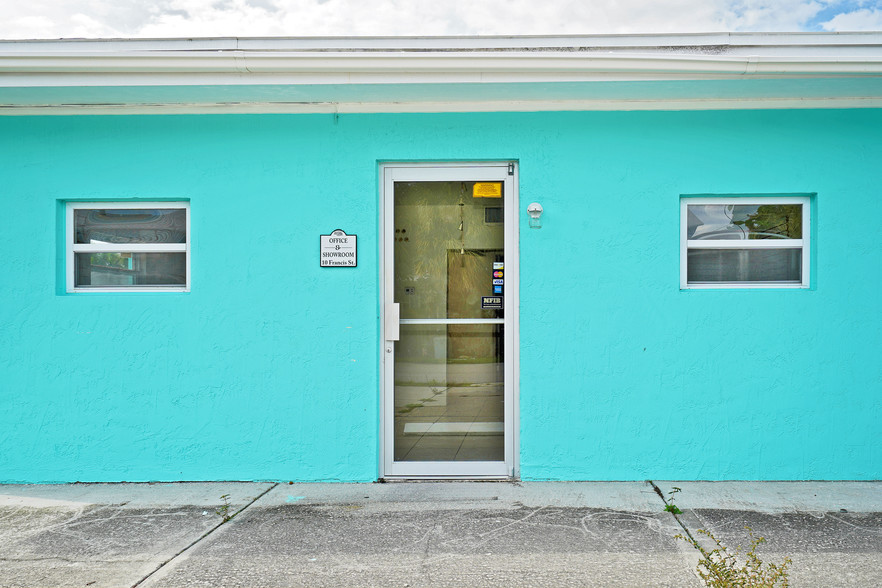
(448, 344)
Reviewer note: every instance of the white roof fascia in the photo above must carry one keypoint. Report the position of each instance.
(237, 67)
(500, 42)
(244, 62)
(710, 54)
(423, 61)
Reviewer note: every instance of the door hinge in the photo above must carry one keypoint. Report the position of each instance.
(511, 169)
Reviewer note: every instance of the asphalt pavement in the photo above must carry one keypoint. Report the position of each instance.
(429, 534)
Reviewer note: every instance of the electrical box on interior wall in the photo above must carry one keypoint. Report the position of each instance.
(338, 250)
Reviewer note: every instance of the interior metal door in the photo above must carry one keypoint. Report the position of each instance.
(450, 300)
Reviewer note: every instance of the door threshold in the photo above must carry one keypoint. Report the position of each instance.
(396, 479)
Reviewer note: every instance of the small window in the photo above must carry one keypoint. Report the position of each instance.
(744, 242)
(494, 215)
(128, 246)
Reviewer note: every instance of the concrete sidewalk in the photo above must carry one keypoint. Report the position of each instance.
(427, 533)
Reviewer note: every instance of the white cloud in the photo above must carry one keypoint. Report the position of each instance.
(858, 20)
(243, 18)
(26, 27)
(83, 25)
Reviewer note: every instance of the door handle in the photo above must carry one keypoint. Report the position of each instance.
(393, 320)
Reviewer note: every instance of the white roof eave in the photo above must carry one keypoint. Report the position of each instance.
(402, 63)
(513, 64)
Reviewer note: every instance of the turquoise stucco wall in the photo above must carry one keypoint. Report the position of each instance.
(268, 368)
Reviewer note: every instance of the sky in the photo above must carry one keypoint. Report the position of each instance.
(53, 19)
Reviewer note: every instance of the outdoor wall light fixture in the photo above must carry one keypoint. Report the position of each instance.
(535, 211)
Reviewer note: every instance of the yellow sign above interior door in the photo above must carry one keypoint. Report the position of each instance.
(487, 190)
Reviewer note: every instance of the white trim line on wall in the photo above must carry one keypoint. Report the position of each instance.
(432, 107)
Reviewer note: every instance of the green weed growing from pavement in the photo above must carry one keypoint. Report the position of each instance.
(670, 506)
(719, 568)
(224, 509)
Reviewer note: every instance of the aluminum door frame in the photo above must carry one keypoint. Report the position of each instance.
(507, 172)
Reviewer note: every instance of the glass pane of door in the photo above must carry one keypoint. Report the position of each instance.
(449, 280)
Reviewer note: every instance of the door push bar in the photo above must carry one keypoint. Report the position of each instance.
(392, 322)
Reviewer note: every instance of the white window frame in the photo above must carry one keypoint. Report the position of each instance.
(72, 248)
(687, 244)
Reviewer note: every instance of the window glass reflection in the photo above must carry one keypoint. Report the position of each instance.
(744, 221)
(122, 225)
(744, 265)
(130, 269)
(449, 393)
(447, 257)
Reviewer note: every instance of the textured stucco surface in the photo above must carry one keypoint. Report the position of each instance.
(269, 367)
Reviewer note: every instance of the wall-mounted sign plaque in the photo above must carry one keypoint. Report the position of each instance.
(338, 250)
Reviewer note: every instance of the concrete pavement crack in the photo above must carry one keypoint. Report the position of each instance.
(56, 558)
(203, 536)
(425, 559)
(676, 518)
(493, 532)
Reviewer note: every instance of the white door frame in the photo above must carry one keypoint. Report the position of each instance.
(507, 172)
